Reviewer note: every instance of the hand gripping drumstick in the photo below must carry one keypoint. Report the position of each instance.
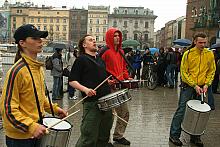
(87, 95)
(49, 127)
(94, 89)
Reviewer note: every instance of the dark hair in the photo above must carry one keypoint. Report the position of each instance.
(195, 37)
(80, 44)
(18, 53)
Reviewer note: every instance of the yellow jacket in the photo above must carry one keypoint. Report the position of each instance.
(18, 104)
(198, 67)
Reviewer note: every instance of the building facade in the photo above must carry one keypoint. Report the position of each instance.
(78, 24)
(98, 22)
(53, 20)
(135, 23)
(203, 16)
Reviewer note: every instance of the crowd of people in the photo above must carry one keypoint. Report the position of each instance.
(24, 101)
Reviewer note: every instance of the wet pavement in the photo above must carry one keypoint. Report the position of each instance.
(151, 112)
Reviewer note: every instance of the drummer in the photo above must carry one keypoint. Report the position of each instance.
(116, 65)
(20, 114)
(88, 72)
(197, 72)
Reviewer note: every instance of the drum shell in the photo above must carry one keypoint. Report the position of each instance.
(56, 138)
(194, 122)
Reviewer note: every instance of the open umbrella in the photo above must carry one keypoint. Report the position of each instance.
(134, 43)
(153, 50)
(214, 46)
(182, 42)
(61, 45)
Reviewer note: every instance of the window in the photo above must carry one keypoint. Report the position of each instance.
(14, 19)
(38, 20)
(145, 37)
(14, 26)
(57, 20)
(136, 24)
(38, 12)
(97, 38)
(90, 29)
(45, 28)
(45, 20)
(104, 30)
(57, 28)
(105, 22)
(146, 25)
(38, 27)
(51, 27)
(136, 12)
(97, 30)
(64, 28)
(51, 20)
(17, 11)
(115, 23)
(97, 21)
(32, 20)
(135, 36)
(64, 20)
(58, 12)
(90, 21)
(125, 23)
(24, 20)
(126, 11)
(20, 11)
(125, 36)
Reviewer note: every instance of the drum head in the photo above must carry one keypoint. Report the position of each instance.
(64, 125)
(196, 105)
(114, 94)
(127, 81)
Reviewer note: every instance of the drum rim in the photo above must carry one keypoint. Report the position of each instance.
(122, 90)
(191, 133)
(197, 110)
(59, 129)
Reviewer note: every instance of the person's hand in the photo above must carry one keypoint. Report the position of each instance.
(39, 131)
(205, 88)
(62, 113)
(90, 92)
(198, 90)
(130, 78)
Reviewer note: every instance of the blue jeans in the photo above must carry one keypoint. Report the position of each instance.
(57, 84)
(186, 93)
(170, 73)
(10, 142)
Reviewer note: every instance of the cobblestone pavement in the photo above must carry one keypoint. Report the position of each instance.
(150, 117)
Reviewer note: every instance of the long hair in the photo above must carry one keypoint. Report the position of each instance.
(80, 44)
(18, 53)
(195, 37)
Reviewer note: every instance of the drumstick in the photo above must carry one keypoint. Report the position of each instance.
(49, 127)
(87, 95)
(120, 118)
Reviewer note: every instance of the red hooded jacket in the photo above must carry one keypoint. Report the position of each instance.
(115, 63)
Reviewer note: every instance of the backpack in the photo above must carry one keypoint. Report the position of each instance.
(49, 63)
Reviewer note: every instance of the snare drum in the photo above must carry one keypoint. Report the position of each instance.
(114, 99)
(130, 84)
(58, 135)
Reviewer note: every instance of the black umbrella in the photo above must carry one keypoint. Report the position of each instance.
(214, 46)
(182, 42)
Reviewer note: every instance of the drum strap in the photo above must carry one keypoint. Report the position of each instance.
(103, 68)
(35, 92)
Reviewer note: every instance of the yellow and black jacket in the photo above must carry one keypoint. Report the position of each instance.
(198, 67)
(18, 104)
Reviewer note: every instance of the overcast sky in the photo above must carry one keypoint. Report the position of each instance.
(166, 10)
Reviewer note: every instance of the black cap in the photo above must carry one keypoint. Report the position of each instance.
(28, 30)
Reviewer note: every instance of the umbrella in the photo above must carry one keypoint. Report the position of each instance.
(214, 46)
(61, 45)
(130, 43)
(153, 50)
(182, 42)
(127, 49)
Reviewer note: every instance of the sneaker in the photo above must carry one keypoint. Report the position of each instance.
(122, 141)
(196, 140)
(176, 141)
(73, 97)
(109, 145)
